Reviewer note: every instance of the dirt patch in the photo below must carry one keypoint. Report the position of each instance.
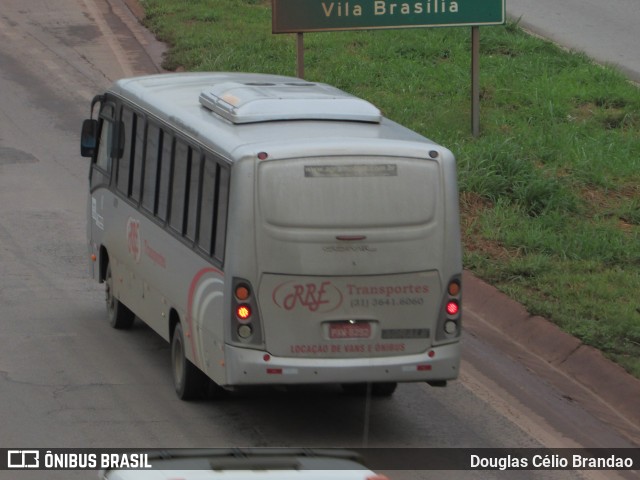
(472, 207)
(614, 204)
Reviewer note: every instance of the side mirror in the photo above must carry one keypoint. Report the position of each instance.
(89, 138)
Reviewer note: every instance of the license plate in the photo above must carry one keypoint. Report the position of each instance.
(349, 330)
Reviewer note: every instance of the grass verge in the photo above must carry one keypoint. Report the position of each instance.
(550, 192)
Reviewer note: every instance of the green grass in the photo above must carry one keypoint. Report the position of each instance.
(550, 191)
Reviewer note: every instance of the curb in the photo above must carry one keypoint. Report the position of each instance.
(136, 9)
(154, 48)
(584, 364)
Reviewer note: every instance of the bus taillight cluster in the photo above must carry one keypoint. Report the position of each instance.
(243, 307)
(452, 309)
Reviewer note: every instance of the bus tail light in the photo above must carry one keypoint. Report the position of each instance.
(243, 312)
(242, 292)
(246, 328)
(449, 322)
(452, 307)
(453, 288)
(245, 331)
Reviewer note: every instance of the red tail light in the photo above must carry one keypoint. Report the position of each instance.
(452, 308)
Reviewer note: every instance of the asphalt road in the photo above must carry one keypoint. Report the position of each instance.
(606, 31)
(68, 380)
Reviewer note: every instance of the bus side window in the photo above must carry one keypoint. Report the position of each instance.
(181, 170)
(138, 157)
(194, 195)
(165, 176)
(125, 134)
(101, 171)
(207, 204)
(152, 151)
(103, 159)
(105, 124)
(221, 217)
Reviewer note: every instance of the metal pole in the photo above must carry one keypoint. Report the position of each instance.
(300, 50)
(475, 81)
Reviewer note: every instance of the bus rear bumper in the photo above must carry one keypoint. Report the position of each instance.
(249, 367)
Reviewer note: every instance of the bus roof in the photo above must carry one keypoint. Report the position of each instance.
(228, 111)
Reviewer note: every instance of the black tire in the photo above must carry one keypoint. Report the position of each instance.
(381, 389)
(188, 380)
(119, 315)
(356, 389)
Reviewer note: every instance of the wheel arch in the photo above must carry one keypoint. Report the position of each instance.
(174, 319)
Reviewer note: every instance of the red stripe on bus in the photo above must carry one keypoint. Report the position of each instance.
(189, 319)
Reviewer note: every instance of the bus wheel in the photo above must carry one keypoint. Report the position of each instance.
(189, 381)
(119, 315)
(383, 389)
(354, 388)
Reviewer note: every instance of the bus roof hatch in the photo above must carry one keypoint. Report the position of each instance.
(295, 100)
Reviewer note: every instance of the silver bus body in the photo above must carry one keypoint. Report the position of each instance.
(215, 196)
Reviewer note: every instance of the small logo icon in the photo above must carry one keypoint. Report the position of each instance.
(133, 238)
(320, 297)
(23, 459)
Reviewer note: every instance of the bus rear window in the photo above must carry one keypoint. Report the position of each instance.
(348, 192)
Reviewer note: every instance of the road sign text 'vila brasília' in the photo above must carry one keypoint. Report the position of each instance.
(291, 16)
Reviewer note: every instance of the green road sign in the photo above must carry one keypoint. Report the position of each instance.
(290, 16)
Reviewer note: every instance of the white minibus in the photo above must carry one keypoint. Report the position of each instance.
(274, 231)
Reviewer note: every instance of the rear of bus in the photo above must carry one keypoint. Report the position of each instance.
(357, 268)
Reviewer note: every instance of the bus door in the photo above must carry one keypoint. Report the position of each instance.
(100, 177)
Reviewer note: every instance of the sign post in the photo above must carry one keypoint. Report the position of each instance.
(300, 54)
(475, 81)
(301, 16)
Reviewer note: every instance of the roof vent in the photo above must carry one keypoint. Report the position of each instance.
(266, 101)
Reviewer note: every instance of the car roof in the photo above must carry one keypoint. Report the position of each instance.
(249, 464)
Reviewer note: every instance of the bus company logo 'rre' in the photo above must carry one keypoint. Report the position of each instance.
(133, 238)
(320, 297)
